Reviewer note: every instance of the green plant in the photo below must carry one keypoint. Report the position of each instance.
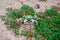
(55, 36)
(27, 10)
(16, 31)
(10, 19)
(48, 22)
(36, 38)
(43, 0)
(51, 12)
(48, 25)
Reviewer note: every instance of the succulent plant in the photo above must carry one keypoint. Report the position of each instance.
(29, 17)
(26, 21)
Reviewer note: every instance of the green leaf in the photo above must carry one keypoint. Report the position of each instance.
(16, 32)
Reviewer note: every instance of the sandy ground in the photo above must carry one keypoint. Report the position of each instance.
(8, 35)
